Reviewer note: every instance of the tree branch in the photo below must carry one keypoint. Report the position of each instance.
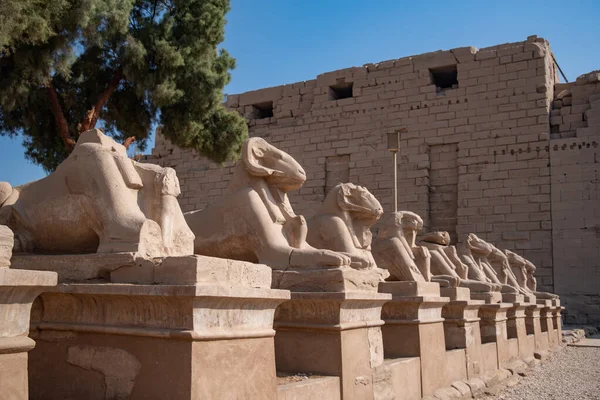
(129, 141)
(167, 6)
(154, 10)
(91, 117)
(59, 118)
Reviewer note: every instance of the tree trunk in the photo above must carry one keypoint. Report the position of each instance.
(59, 117)
(90, 119)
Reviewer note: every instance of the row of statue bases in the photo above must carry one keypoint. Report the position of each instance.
(113, 293)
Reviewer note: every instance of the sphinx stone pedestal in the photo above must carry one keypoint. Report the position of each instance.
(547, 323)
(533, 326)
(512, 298)
(328, 280)
(487, 297)
(333, 334)
(493, 330)
(18, 290)
(556, 317)
(201, 328)
(414, 327)
(517, 330)
(461, 327)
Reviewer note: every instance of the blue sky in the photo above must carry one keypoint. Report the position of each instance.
(285, 41)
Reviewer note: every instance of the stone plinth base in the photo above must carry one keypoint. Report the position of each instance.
(323, 388)
(398, 378)
(461, 330)
(18, 290)
(544, 302)
(76, 267)
(414, 327)
(516, 329)
(547, 323)
(487, 297)
(130, 268)
(533, 327)
(513, 350)
(489, 357)
(556, 316)
(343, 279)
(512, 298)
(456, 294)
(529, 298)
(182, 341)
(13, 367)
(493, 329)
(410, 289)
(456, 365)
(332, 334)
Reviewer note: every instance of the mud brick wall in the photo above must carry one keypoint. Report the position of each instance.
(476, 156)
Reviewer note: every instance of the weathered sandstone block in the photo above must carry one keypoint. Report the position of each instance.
(6, 246)
(207, 324)
(18, 289)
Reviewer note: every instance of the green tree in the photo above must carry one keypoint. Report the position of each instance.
(66, 64)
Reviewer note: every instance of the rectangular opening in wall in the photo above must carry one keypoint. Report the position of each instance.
(263, 110)
(341, 90)
(444, 77)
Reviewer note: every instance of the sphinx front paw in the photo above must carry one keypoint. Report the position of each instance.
(332, 258)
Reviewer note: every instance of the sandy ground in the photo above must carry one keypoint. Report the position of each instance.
(573, 373)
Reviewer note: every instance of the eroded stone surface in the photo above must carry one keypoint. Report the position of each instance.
(375, 346)
(5, 191)
(432, 260)
(75, 267)
(255, 221)
(513, 273)
(395, 250)
(131, 268)
(118, 367)
(475, 252)
(191, 341)
(316, 387)
(447, 266)
(6, 246)
(191, 270)
(99, 200)
(410, 289)
(343, 223)
(340, 279)
(524, 272)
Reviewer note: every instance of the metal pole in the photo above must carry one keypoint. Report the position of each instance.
(395, 183)
(560, 69)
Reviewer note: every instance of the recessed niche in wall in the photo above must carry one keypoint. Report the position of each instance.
(263, 110)
(341, 90)
(444, 77)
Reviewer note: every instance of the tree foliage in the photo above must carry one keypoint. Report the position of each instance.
(65, 64)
